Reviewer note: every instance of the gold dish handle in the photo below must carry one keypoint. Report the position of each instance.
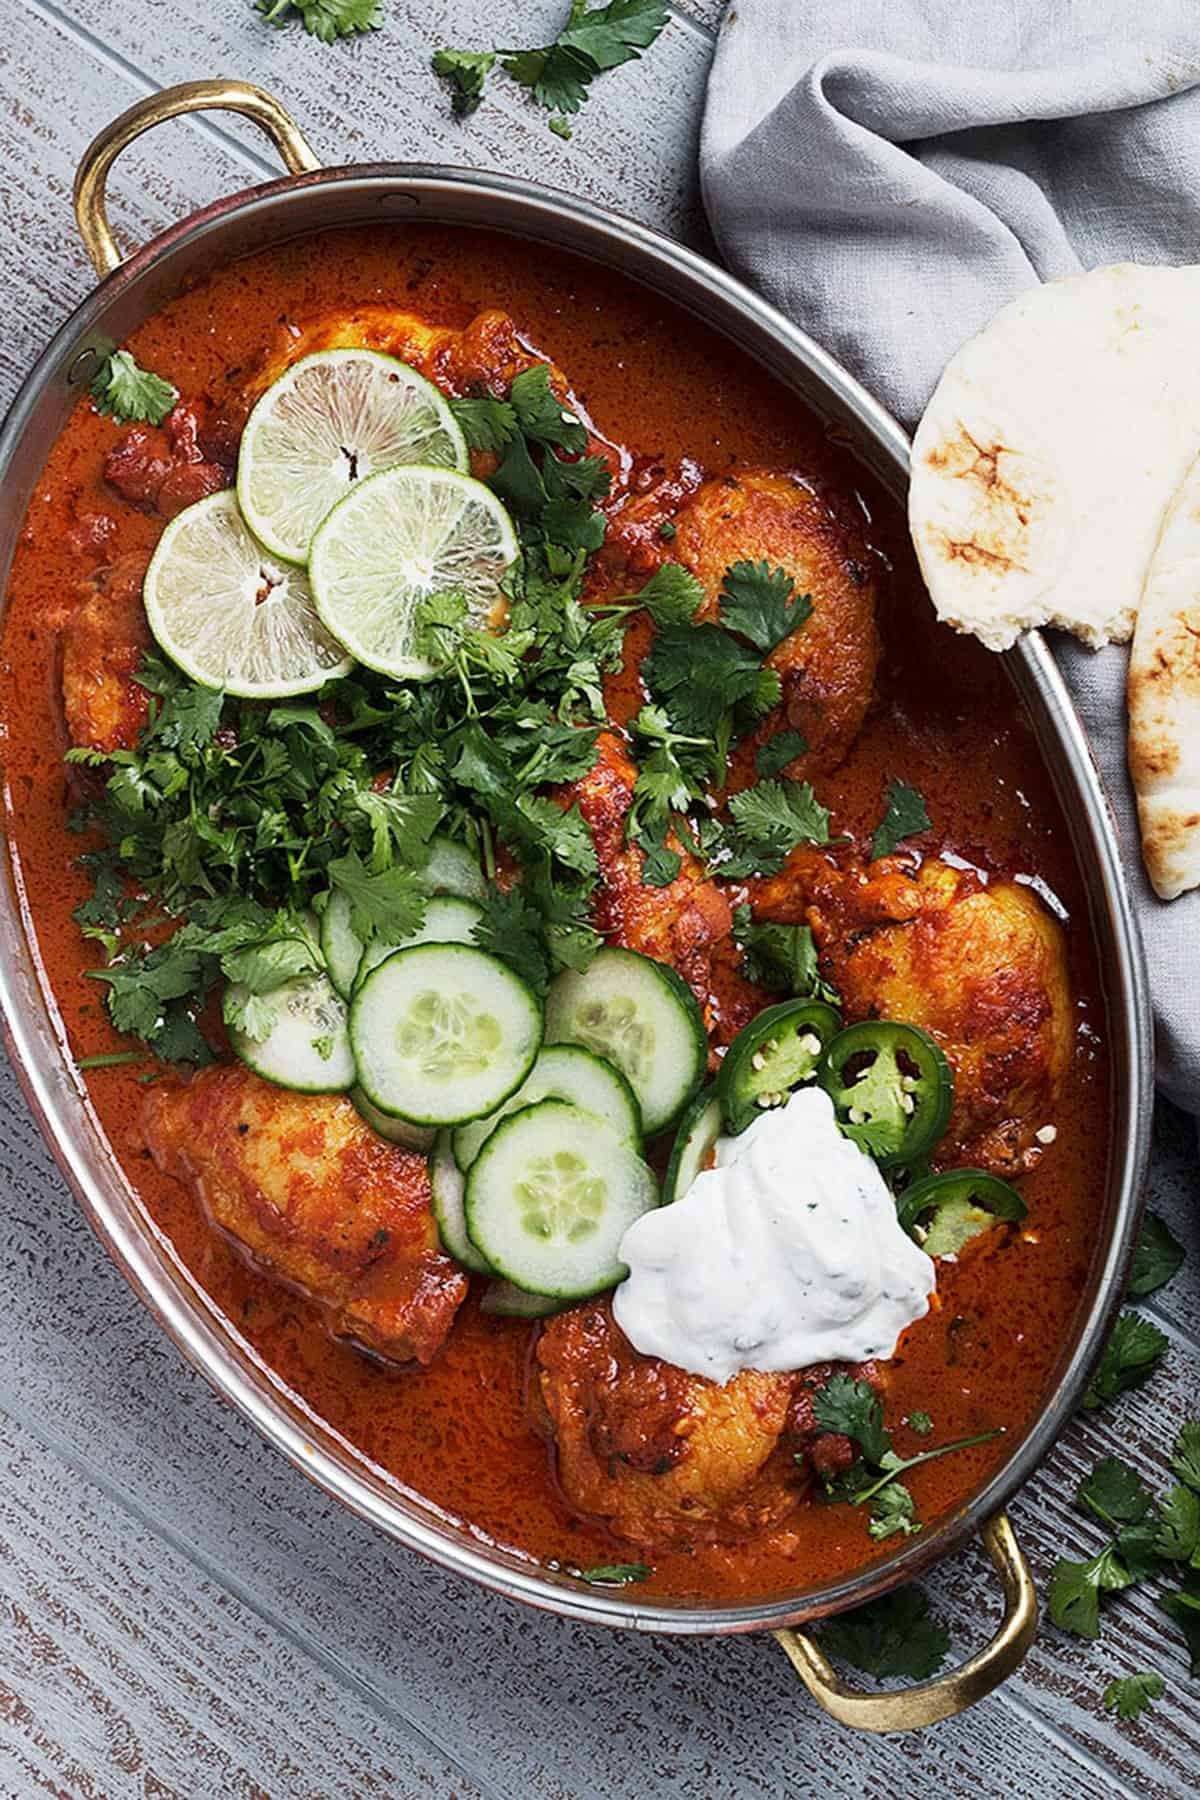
(189, 97)
(914, 1707)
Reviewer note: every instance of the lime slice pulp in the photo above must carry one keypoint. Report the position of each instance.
(229, 614)
(398, 538)
(333, 419)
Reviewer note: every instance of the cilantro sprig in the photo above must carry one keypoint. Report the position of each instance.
(559, 75)
(853, 1409)
(904, 817)
(326, 20)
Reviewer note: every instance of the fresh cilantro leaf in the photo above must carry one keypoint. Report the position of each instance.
(1183, 1605)
(1131, 1355)
(904, 817)
(188, 717)
(853, 1409)
(325, 20)
(511, 928)
(701, 674)
(541, 414)
(573, 524)
(518, 480)
(672, 596)
(571, 937)
(616, 1574)
(1178, 1537)
(487, 423)
(893, 1510)
(562, 128)
(179, 1039)
(757, 602)
(1135, 1546)
(1075, 1587)
(780, 957)
(779, 751)
(660, 863)
(1131, 1694)
(893, 1636)
(466, 71)
(301, 718)
(401, 826)
(921, 1423)
(563, 835)
(557, 77)
(1185, 1459)
(770, 819)
(580, 478)
(124, 392)
(1158, 1256)
(1114, 1493)
(388, 902)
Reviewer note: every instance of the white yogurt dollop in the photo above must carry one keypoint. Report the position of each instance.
(787, 1253)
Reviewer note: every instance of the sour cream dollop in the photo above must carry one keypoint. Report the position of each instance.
(788, 1252)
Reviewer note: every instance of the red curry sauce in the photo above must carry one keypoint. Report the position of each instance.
(650, 377)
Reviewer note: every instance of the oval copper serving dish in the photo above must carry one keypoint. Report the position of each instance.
(311, 199)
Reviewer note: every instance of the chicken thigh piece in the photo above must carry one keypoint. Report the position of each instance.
(103, 642)
(827, 667)
(304, 1186)
(980, 965)
(661, 1456)
(678, 924)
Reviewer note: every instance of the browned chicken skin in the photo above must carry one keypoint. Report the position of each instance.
(678, 924)
(827, 667)
(311, 1193)
(980, 966)
(103, 642)
(664, 1457)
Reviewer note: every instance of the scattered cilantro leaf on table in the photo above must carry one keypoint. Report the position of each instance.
(1178, 1536)
(1134, 1350)
(1185, 1460)
(904, 816)
(325, 20)
(559, 75)
(1130, 1696)
(893, 1636)
(1073, 1600)
(1183, 1605)
(1157, 1256)
(757, 602)
(1115, 1493)
(123, 391)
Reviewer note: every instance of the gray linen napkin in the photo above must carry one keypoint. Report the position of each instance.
(890, 172)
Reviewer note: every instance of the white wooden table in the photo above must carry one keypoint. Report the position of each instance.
(181, 1613)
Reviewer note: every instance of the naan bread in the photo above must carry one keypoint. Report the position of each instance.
(1050, 450)
(1164, 699)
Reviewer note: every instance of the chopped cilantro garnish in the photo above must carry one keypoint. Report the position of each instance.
(487, 423)
(904, 817)
(325, 19)
(1115, 1493)
(1130, 1695)
(780, 957)
(466, 71)
(893, 1636)
(1178, 1535)
(616, 1574)
(778, 751)
(124, 392)
(1075, 1589)
(769, 820)
(757, 603)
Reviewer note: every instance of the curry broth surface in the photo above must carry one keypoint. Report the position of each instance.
(651, 378)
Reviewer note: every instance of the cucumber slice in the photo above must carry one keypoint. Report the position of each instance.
(341, 945)
(551, 1195)
(443, 1033)
(451, 872)
(699, 1129)
(638, 1015)
(448, 1185)
(502, 1300)
(565, 1072)
(396, 1131)
(447, 921)
(453, 869)
(305, 1043)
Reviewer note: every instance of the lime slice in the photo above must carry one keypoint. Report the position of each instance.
(229, 614)
(393, 541)
(331, 420)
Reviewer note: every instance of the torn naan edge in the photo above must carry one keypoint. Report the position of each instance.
(1164, 699)
(1050, 450)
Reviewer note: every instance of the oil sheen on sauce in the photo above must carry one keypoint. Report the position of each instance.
(650, 377)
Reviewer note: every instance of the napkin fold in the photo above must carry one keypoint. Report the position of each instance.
(890, 172)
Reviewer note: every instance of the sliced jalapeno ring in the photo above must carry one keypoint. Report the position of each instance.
(944, 1212)
(891, 1088)
(777, 1052)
